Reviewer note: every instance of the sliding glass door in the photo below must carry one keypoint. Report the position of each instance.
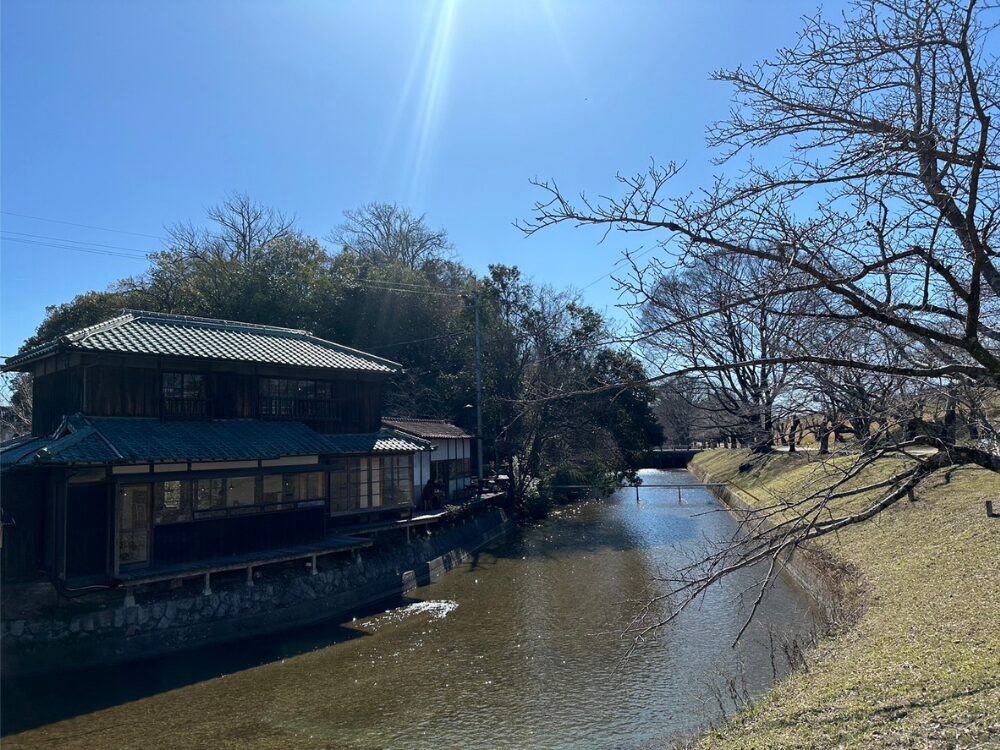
(133, 524)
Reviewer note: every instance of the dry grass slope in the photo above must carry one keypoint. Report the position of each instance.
(921, 667)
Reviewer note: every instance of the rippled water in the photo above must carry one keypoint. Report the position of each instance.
(517, 649)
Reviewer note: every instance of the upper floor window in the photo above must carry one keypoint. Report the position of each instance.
(184, 394)
(285, 397)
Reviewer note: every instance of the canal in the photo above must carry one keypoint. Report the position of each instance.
(519, 648)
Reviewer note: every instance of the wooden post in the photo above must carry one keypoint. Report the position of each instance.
(249, 575)
(313, 569)
(678, 494)
(207, 589)
(637, 494)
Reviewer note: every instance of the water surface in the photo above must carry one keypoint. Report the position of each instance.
(519, 648)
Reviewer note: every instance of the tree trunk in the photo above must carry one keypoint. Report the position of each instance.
(792, 434)
(950, 417)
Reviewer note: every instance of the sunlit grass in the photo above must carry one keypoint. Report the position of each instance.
(921, 667)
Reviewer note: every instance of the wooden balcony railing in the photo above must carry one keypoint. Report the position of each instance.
(297, 408)
(186, 407)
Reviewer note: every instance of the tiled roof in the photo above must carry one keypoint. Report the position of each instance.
(381, 441)
(429, 429)
(139, 332)
(110, 440)
(21, 451)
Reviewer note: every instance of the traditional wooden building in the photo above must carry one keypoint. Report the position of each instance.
(448, 465)
(167, 446)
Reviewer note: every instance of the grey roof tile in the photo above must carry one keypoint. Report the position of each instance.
(139, 332)
(432, 429)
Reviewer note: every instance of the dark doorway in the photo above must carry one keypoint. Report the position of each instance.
(87, 532)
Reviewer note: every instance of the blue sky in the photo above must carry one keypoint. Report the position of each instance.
(133, 115)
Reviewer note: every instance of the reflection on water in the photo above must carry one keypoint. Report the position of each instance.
(517, 649)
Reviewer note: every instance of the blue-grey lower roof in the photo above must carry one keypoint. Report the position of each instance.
(21, 451)
(121, 440)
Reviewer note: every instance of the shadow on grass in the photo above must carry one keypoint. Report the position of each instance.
(893, 712)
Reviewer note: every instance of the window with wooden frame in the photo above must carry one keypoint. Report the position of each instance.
(184, 394)
(295, 398)
(172, 501)
(397, 480)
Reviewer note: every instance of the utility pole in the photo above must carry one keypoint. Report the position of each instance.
(479, 391)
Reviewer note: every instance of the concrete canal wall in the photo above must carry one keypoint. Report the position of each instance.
(171, 619)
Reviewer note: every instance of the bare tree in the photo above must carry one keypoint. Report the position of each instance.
(886, 116)
(234, 265)
(883, 199)
(689, 321)
(15, 405)
(390, 232)
(243, 229)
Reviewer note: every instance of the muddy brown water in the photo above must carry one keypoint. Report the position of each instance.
(519, 648)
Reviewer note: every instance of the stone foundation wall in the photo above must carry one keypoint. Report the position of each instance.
(167, 620)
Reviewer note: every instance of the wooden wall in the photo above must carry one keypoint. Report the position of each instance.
(131, 387)
(233, 394)
(54, 396)
(23, 498)
(112, 391)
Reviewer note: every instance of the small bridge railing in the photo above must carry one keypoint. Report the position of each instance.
(651, 485)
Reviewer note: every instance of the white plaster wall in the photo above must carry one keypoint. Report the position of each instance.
(421, 472)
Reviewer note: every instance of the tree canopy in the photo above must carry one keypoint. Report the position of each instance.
(392, 287)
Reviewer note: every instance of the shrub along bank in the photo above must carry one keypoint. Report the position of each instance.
(920, 668)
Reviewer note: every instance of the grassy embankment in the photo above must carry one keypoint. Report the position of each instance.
(920, 667)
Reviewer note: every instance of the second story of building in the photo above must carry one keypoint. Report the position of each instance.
(143, 364)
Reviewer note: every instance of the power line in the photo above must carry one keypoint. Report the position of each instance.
(428, 288)
(615, 267)
(418, 341)
(97, 251)
(410, 285)
(87, 226)
(387, 288)
(135, 254)
(92, 251)
(75, 242)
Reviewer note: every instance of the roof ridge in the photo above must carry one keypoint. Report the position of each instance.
(418, 419)
(214, 322)
(241, 325)
(358, 352)
(68, 338)
(126, 316)
(15, 442)
(78, 433)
